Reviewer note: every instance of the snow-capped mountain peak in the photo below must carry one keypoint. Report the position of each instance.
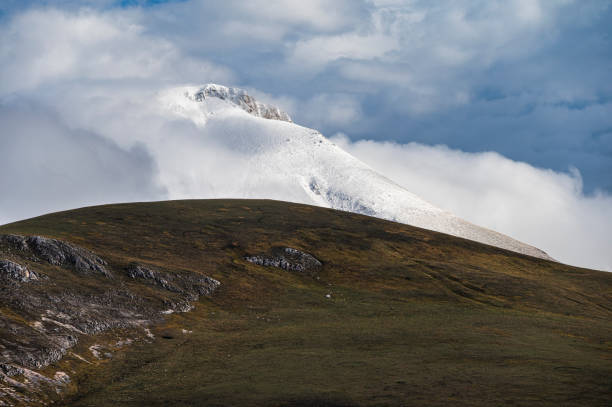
(279, 159)
(243, 100)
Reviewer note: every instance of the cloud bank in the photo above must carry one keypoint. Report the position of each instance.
(541, 207)
(528, 79)
(46, 166)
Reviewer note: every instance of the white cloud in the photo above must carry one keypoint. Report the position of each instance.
(46, 46)
(538, 206)
(317, 52)
(337, 109)
(319, 14)
(46, 166)
(431, 54)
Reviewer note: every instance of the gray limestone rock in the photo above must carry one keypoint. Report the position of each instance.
(287, 258)
(58, 253)
(17, 272)
(191, 285)
(53, 314)
(10, 370)
(138, 271)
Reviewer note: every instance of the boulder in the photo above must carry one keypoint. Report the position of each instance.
(14, 271)
(287, 258)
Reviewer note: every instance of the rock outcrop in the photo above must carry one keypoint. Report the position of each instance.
(138, 271)
(16, 272)
(33, 385)
(242, 99)
(51, 309)
(188, 284)
(58, 253)
(287, 258)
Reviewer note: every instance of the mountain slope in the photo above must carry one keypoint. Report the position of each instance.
(282, 160)
(371, 313)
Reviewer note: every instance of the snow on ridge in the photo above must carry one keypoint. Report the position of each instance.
(282, 160)
(242, 99)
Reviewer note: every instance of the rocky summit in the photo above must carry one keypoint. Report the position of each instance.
(241, 99)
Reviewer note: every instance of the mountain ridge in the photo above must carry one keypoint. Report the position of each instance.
(282, 160)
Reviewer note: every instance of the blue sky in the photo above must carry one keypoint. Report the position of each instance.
(527, 80)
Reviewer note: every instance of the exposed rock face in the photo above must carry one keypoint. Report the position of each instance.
(205, 285)
(10, 370)
(16, 272)
(58, 319)
(137, 271)
(246, 102)
(55, 311)
(58, 253)
(24, 393)
(190, 285)
(287, 259)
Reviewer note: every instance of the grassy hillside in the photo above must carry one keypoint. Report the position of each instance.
(395, 316)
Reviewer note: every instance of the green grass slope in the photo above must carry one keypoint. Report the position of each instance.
(396, 315)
